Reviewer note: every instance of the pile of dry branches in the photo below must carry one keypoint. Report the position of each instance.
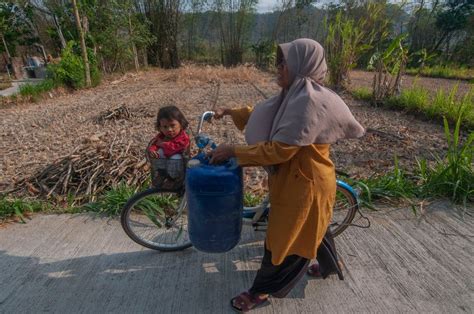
(87, 171)
(119, 113)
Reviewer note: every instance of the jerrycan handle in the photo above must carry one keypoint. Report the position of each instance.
(232, 163)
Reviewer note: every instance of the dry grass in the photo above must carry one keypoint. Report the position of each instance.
(208, 74)
(34, 136)
(5, 85)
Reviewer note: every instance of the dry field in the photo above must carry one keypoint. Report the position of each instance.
(364, 79)
(34, 135)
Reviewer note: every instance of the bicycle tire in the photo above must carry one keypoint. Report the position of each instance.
(155, 216)
(345, 208)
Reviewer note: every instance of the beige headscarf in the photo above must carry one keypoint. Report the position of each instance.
(308, 113)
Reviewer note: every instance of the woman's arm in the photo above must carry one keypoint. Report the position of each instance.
(265, 153)
(240, 116)
(262, 154)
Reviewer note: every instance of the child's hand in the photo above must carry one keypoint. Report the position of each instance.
(154, 154)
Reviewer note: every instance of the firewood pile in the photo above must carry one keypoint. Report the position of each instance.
(121, 112)
(89, 170)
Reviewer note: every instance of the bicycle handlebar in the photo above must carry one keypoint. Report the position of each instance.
(206, 116)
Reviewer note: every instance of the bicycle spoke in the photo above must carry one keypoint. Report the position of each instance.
(158, 220)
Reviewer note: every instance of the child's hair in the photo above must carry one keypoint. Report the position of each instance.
(171, 113)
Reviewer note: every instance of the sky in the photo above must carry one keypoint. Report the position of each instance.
(269, 5)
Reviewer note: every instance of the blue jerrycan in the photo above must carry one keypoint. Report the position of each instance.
(215, 204)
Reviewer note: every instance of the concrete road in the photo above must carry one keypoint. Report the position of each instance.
(86, 264)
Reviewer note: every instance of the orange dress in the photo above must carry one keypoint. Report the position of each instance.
(302, 192)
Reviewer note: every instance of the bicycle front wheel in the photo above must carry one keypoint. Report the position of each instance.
(157, 219)
(344, 211)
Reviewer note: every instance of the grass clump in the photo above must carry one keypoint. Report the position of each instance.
(112, 201)
(396, 184)
(20, 208)
(251, 200)
(443, 71)
(413, 99)
(449, 105)
(446, 104)
(35, 90)
(362, 93)
(453, 175)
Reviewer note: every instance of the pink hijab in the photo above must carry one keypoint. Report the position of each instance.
(308, 113)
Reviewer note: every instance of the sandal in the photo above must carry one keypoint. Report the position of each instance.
(247, 302)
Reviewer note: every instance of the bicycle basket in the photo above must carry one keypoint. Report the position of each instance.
(167, 173)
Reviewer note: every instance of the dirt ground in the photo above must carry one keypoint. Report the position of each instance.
(36, 134)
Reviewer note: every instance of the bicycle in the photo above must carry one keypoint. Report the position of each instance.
(156, 218)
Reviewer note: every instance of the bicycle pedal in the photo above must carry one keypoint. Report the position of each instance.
(259, 226)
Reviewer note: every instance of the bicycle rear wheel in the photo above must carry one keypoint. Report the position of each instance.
(157, 219)
(344, 211)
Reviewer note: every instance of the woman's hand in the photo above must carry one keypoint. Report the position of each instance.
(221, 112)
(222, 153)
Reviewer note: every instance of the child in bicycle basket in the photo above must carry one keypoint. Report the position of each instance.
(166, 149)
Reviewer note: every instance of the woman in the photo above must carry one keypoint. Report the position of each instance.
(289, 134)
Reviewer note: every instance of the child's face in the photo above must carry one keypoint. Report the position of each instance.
(170, 128)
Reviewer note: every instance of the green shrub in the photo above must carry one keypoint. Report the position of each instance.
(70, 70)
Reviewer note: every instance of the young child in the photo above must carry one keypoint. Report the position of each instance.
(169, 144)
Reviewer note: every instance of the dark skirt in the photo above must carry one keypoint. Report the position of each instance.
(280, 279)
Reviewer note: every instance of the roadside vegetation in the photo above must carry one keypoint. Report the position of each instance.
(419, 101)
(449, 176)
(440, 71)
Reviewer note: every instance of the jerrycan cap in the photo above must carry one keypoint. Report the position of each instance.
(194, 163)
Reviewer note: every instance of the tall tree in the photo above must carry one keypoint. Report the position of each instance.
(193, 9)
(83, 44)
(234, 17)
(164, 16)
(452, 18)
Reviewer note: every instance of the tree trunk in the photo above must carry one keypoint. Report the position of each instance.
(145, 58)
(6, 49)
(134, 47)
(60, 32)
(9, 58)
(83, 44)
